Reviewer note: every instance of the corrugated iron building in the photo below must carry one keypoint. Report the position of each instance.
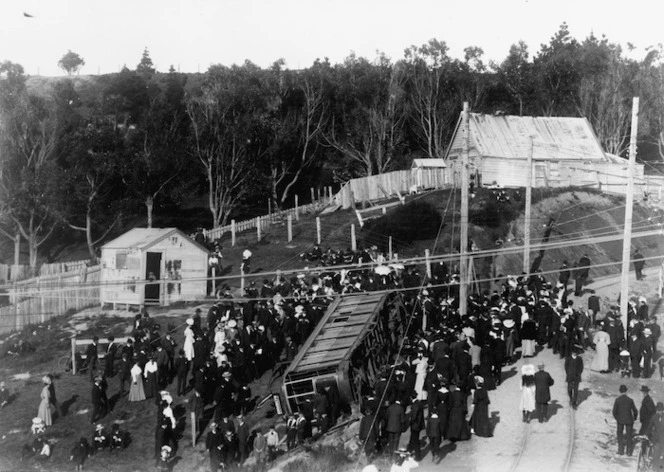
(565, 153)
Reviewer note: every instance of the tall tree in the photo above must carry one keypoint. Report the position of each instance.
(427, 70)
(515, 72)
(557, 74)
(222, 119)
(28, 142)
(367, 124)
(145, 67)
(71, 62)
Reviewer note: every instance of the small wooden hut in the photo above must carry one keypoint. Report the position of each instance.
(153, 266)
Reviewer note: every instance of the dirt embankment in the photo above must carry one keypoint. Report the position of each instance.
(578, 215)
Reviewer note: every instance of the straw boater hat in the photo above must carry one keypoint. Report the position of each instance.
(99, 427)
(508, 323)
(166, 449)
(402, 451)
(190, 321)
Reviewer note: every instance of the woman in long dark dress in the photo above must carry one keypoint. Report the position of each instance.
(479, 421)
(457, 425)
(486, 367)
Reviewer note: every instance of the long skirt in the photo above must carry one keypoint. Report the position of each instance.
(45, 412)
(136, 392)
(479, 421)
(151, 385)
(528, 347)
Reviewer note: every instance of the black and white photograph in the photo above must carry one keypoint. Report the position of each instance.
(331, 236)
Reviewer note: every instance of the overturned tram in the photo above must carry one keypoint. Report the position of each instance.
(349, 346)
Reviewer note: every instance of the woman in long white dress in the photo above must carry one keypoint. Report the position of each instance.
(600, 362)
(189, 341)
(421, 364)
(527, 403)
(45, 405)
(136, 392)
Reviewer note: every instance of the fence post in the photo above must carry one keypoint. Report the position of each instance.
(258, 228)
(290, 228)
(389, 245)
(41, 304)
(73, 355)
(318, 191)
(214, 281)
(318, 230)
(427, 257)
(329, 191)
(242, 281)
(297, 208)
(269, 207)
(313, 199)
(353, 241)
(193, 429)
(232, 232)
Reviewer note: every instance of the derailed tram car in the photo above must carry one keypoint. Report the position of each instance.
(348, 348)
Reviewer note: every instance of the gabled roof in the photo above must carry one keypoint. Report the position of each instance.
(428, 162)
(507, 136)
(144, 238)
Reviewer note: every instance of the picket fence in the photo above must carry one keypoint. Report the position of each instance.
(10, 272)
(265, 221)
(39, 299)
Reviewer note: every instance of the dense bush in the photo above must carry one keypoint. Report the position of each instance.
(406, 223)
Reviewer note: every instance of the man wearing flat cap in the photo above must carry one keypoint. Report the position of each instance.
(625, 413)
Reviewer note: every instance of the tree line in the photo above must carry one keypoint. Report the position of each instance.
(91, 156)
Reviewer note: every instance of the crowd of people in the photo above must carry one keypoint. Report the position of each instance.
(445, 360)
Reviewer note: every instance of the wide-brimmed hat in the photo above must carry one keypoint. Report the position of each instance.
(402, 451)
(190, 321)
(508, 323)
(99, 427)
(37, 421)
(232, 324)
(226, 374)
(644, 388)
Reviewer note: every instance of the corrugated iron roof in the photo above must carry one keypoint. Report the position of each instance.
(429, 162)
(552, 138)
(338, 332)
(144, 238)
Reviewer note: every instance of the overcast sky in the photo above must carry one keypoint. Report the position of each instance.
(192, 34)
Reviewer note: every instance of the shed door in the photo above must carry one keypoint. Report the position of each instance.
(152, 273)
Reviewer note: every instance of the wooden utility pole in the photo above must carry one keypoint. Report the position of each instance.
(526, 219)
(629, 202)
(463, 243)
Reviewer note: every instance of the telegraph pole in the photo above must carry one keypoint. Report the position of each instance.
(463, 243)
(526, 219)
(629, 202)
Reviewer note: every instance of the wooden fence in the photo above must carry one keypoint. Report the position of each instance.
(264, 222)
(11, 272)
(389, 184)
(38, 299)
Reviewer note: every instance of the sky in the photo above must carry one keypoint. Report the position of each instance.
(193, 34)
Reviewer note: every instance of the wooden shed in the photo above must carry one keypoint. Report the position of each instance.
(348, 347)
(428, 173)
(565, 152)
(153, 266)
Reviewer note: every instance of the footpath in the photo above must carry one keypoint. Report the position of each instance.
(580, 441)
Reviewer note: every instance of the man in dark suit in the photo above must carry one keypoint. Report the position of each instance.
(625, 413)
(92, 357)
(396, 417)
(99, 401)
(109, 359)
(647, 410)
(543, 382)
(581, 275)
(124, 372)
(573, 370)
(416, 425)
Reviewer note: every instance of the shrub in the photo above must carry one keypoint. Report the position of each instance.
(411, 222)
